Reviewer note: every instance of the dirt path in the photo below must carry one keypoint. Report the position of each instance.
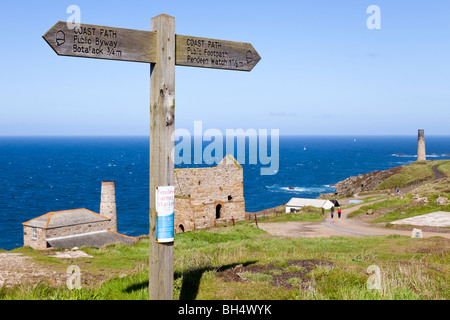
(437, 173)
(343, 226)
(362, 228)
(16, 268)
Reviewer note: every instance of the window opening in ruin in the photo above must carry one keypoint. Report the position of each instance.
(34, 235)
(229, 197)
(218, 211)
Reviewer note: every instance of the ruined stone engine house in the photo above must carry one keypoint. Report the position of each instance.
(206, 196)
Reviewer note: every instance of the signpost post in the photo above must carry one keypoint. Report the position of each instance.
(163, 49)
(162, 126)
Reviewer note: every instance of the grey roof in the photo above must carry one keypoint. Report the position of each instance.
(65, 218)
(92, 239)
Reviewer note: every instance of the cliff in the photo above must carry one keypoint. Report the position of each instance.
(414, 174)
(363, 182)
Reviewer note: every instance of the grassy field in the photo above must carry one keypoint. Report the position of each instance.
(244, 262)
(416, 172)
(395, 207)
(444, 167)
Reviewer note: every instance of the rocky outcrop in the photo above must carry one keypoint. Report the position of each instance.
(442, 201)
(417, 199)
(361, 182)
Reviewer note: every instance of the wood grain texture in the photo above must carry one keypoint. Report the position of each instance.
(101, 42)
(214, 53)
(162, 117)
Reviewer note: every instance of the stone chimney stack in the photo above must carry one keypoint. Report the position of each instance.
(108, 203)
(421, 155)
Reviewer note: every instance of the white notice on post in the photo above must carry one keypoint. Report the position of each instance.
(165, 199)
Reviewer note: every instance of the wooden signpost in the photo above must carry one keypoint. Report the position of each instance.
(102, 42)
(92, 41)
(163, 49)
(217, 54)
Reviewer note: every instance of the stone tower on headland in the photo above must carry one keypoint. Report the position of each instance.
(108, 203)
(421, 155)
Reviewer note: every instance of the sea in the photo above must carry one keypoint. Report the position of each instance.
(44, 174)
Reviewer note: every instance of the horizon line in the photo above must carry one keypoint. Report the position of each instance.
(280, 135)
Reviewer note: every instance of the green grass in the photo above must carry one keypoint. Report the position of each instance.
(420, 172)
(438, 187)
(131, 287)
(411, 268)
(408, 174)
(256, 277)
(445, 168)
(345, 280)
(396, 208)
(391, 203)
(403, 213)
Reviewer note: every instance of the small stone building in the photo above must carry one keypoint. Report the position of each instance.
(77, 227)
(205, 196)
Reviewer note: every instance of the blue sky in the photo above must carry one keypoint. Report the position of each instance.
(322, 70)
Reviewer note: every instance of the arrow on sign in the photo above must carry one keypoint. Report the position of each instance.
(92, 41)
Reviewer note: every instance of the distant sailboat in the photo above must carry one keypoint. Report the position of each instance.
(304, 148)
(354, 140)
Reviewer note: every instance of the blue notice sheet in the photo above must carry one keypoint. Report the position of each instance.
(165, 228)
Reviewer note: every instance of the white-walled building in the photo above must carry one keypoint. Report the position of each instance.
(297, 203)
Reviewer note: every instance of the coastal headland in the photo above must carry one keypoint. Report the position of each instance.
(373, 201)
(273, 254)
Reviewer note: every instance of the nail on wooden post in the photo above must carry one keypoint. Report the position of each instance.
(162, 117)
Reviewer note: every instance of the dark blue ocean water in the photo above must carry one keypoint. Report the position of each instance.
(43, 174)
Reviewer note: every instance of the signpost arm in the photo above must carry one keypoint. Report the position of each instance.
(162, 117)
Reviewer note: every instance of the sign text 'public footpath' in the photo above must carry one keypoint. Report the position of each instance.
(101, 42)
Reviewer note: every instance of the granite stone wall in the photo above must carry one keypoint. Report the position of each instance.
(205, 196)
(39, 242)
(42, 234)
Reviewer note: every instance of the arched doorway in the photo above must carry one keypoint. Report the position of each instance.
(218, 211)
(181, 227)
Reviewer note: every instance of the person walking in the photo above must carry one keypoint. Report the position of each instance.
(339, 212)
(332, 211)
